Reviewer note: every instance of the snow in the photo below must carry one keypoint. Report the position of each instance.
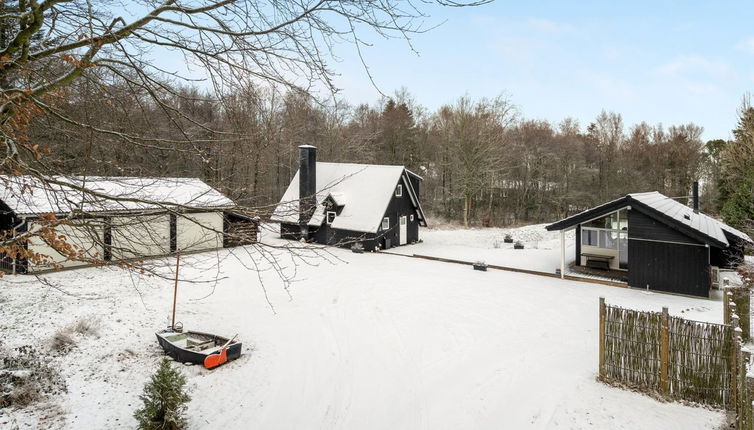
(364, 341)
(541, 247)
(27, 195)
(366, 190)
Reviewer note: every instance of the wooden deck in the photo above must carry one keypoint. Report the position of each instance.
(618, 276)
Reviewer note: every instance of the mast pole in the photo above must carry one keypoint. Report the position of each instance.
(175, 288)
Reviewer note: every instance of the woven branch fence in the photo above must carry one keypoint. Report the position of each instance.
(683, 359)
(675, 357)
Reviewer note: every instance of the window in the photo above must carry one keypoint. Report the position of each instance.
(608, 239)
(411, 218)
(589, 237)
(403, 220)
(385, 223)
(330, 217)
(399, 190)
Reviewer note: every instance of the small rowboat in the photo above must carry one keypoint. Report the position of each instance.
(194, 347)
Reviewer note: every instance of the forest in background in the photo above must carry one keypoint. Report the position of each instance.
(483, 164)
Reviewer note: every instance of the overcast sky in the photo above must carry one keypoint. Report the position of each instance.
(667, 62)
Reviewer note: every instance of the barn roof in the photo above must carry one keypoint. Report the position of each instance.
(364, 190)
(27, 195)
(666, 210)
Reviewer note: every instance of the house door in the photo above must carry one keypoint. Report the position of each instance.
(402, 231)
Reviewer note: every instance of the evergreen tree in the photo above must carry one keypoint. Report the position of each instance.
(164, 400)
(738, 209)
(736, 183)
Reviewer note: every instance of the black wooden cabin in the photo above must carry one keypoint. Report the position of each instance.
(347, 204)
(662, 244)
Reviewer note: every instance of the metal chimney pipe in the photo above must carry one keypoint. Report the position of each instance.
(307, 184)
(695, 194)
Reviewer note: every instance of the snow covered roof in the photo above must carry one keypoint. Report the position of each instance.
(27, 195)
(670, 210)
(364, 190)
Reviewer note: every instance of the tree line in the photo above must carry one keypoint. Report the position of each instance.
(482, 162)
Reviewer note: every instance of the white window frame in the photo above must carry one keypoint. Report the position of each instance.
(411, 218)
(399, 190)
(386, 223)
(327, 217)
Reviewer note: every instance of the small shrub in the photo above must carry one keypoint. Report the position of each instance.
(62, 341)
(86, 327)
(25, 377)
(164, 400)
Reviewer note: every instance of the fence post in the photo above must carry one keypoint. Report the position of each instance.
(603, 315)
(664, 351)
(741, 296)
(749, 404)
(735, 353)
(726, 305)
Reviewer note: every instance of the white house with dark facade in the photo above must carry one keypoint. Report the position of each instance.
(346, 204)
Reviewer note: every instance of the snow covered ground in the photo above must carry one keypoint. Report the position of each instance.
(364, 341)
(541, 247)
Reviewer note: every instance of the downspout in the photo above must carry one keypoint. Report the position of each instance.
(15, 230)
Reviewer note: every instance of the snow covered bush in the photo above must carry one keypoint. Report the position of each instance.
(164, 400)
(25, 377)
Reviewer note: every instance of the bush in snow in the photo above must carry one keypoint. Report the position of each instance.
(62, 341)
(25, 377)
(164, 400)
(86, 327)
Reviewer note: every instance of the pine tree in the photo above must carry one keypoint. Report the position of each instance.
(738, 210)
(164, 400)
(736, 185)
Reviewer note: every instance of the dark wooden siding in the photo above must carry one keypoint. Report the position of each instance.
(641, 226)
(665, 259)
(730, 257)
(670, 267)
(400, 206)
(578, 245)
(290, 231)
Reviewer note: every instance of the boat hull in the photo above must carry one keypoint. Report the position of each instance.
(186, 355)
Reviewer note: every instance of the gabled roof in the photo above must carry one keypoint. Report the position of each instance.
(663, 209)
(364, 190)
(27, 195)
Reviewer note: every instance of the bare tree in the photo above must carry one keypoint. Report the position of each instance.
(47, 46)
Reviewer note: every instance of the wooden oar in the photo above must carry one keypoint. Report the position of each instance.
(214, 360)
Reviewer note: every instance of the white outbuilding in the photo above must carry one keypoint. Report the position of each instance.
(101, 219)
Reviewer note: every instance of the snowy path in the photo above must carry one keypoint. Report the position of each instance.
(373, 342)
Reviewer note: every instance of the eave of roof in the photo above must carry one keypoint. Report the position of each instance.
(659, 207)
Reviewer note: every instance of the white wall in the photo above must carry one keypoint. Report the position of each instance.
(133, 237)
(195, 231)
(140, 236)
(86, 238)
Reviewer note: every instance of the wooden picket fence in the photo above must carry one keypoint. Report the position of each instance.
(672, 356)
